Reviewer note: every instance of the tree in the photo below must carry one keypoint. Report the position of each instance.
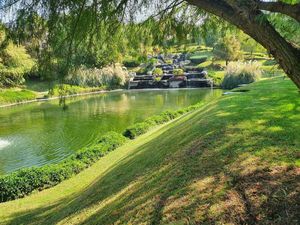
(251, 46)
(251, 16)
(228, 49)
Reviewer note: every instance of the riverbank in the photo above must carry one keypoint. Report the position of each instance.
(37, 91)
(34, 91)
(234, 161)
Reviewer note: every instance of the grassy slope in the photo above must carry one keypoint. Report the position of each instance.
(234, 161)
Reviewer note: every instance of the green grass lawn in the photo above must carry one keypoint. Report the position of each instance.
(15, 95)
(235, 161)
(33, 89)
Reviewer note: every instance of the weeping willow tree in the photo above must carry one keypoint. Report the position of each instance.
(100, 24)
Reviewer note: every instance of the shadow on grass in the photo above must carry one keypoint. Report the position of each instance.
(218, 166)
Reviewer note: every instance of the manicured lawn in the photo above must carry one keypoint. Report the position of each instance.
(235, 161)
(33, 89)
(14, 95)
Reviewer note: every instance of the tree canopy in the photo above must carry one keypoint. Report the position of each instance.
(100, 23)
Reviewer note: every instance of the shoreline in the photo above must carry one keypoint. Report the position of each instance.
(57, 97)
(91, 93)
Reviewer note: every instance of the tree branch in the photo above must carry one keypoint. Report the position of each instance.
(281, 7)
(262, 31)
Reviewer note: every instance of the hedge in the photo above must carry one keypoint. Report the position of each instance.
(131, 63)
(25, 181)
(141, 128)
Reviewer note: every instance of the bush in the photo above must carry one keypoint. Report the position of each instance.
(178, 72)
(15, 63)
(169, 61)
(153, 61)
(228, 48)
(131, 63)
(141, 128)
(66, 89)
(217, 76)
(11, 77)
(158, 72)
(110, 76)
(241, 73)
(24, 182)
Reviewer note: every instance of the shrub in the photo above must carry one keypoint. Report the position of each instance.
(16, 57)
(153, 61)
(217, 76)
(141, 128)
(228, 49)
(158, 72)
(216, 66)
(241, 73)
(136, 130)
(15, 63)
(23, 182)
(169, 61)
(110, 76)
(178, 72)
(66, 89)
(11, 77)
(131, 63)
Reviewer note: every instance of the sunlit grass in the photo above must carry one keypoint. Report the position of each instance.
(15, 95)
(234, 161)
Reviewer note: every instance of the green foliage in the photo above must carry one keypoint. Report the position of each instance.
(217, 76)
(141, 128)
(169, 61)
(247, 135)
(241, 73)
(270, 62)
(11, 77)
(30, 30)
(24, 182)
(13, 96)
(228, 48)
(66, 89)
(198, 60)
(131, 62)
(109, 76)
(248, 44)
(158, 72)
(15, 63)
(286, 26)
(178, 72)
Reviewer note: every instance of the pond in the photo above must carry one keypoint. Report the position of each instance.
(36, 134)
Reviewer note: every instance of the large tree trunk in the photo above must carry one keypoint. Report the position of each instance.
(250, 19)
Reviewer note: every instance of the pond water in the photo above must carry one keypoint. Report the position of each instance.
(41, 133)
